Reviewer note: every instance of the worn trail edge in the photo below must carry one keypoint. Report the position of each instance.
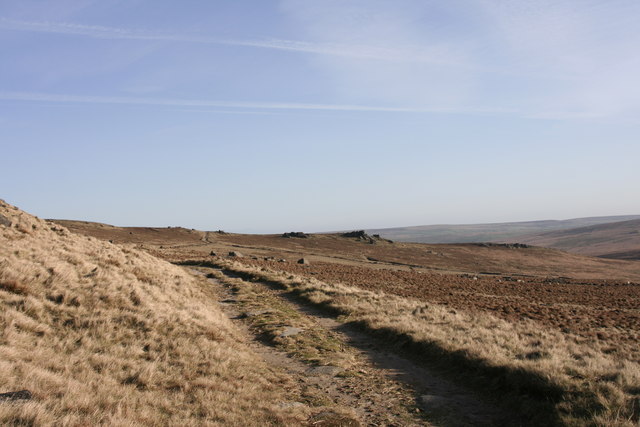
(337, 366)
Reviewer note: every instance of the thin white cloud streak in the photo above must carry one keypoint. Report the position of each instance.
(405, 53)
(258, 113)
(166, 102)
(354, 51)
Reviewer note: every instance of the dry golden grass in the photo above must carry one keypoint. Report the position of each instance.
(576, 383)
(108, 335)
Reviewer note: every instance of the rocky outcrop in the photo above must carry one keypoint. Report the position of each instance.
(503, 245)
(295, 234)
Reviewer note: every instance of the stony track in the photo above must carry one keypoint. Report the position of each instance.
(348, 375)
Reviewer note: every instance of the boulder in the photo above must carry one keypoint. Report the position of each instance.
(303, 261)
(235, 254)
(5, 221)
(360, 234)
(290, 331)
(295, 234)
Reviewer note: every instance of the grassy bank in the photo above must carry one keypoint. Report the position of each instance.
(107, 335)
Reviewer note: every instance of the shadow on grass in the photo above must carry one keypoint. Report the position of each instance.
(532, 398)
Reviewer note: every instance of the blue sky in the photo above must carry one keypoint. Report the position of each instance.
(271, 116)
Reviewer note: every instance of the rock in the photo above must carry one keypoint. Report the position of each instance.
(303, 261)
(16, 395)
(325, 370)
(360, 234)
(235, 254)
(212, 253)
(288, 405)
(295, 234)
(290, 331)
(502, 245)
(5, 221)
(282, 260)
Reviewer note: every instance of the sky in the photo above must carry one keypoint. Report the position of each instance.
(267, 116)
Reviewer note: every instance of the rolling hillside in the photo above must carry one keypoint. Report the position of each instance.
(556, 332)
(377, 253)
(619, 240)
(506, 231)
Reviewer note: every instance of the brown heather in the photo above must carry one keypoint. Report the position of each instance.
(109, 335)
(552, 377)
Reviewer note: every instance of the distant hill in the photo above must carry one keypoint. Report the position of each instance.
(336, 248)
(620, 240)
(468, 233)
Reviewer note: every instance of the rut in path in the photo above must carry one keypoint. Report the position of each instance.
(380, 386)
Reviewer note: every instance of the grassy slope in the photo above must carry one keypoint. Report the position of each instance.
(109, 335)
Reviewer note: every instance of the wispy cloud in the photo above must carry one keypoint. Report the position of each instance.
(191, 103)
(334, 49)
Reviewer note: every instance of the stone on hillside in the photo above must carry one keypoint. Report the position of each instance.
(295, 234)
(303, 261)
(290, 331)
(5, 221)
(235, 254)
(212, 253)
(289, 405)
(360, 234)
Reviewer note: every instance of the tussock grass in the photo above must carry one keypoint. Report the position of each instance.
(109, 335)
(549, 376)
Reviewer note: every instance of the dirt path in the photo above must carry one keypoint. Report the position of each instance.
(336, 365)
